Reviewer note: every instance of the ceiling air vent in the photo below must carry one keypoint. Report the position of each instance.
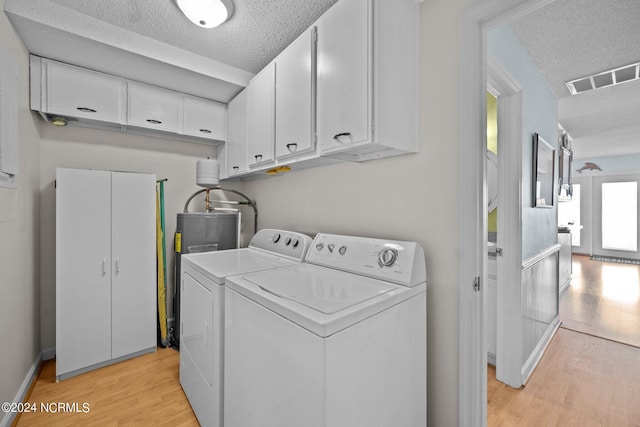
(604, 79)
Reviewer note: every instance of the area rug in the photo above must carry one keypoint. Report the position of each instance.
(614, 259)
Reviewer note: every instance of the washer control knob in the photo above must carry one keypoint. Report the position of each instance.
(387, 257)
(320, 246)
(295, 243)
(342, 250)
(331, 246)
(287, 241)
(276, 238)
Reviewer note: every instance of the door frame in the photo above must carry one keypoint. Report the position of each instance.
(475, 22)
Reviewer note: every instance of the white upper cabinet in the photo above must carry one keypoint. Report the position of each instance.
(261, 117)
(344, 75)
(368, 79)
(92, 99)
(236, 146)
(73, 91)
(295, 97)
(204, 118)
(155, 108)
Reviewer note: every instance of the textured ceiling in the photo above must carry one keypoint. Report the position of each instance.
(568, 39)
(255, 34)
(152, 42)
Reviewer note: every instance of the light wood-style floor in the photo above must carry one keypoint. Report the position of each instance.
(603, 299)
(581, 381)
(144, 391)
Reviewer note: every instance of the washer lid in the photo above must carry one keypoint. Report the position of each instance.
(321, 300)
(325, 290)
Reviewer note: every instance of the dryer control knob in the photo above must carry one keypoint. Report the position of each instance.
(331, 246)
(287, 241)
(342, 250)
(387, 257)
(320, 246)
(276, 238)
(295, 243)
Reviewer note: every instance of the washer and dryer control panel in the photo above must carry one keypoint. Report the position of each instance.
(282, 242)
(391, 260)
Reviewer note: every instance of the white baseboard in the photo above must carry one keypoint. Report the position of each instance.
(48, 353)
(22, 391)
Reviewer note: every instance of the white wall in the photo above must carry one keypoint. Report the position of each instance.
(75, 147)
(19, 240)
(412, 197)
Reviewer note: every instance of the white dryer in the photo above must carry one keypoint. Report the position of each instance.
(338, 341)
(202, 312)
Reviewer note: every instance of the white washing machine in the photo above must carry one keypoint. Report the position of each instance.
(338, 341)
(202, 312)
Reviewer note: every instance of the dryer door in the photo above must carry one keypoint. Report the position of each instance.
(197, 325)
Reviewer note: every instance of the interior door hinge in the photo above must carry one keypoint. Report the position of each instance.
(499, 251)
(476, 284)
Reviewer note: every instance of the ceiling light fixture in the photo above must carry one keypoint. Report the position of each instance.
(206, 13)
(611, 77)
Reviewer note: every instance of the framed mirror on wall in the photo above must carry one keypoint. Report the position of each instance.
(544, 156)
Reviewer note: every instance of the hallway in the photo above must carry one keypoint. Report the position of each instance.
(603, 299)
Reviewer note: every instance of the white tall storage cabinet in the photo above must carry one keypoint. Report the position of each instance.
(105, 268)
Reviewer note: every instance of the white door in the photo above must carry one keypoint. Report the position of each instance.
(133, 262)
(615, 216)
(236, 145)
(261, 104)
(344, 75)
(83, 273)
(196, 328)
(295, 97)
(204, 118)
(509, 237)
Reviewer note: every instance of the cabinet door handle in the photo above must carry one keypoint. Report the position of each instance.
(292, 147)
(154, 122)
(117, 265)
(104, 266)
(86, 110)
(205, 131)
(235, 168)
(337, 136)
(258, 157)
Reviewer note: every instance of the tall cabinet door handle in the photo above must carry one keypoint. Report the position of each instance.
(117, 265)
(104, 266)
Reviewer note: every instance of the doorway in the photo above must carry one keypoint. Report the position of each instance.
(604, 296)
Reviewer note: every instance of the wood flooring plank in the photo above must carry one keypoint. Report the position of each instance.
(144, 391)
(581, 381)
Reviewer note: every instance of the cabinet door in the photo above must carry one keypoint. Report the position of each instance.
(154, 108)
(83, 273)
(295, 97)
(72, 91)
(236, 145)
(344, 75)
(133, 218)
(204, 118)
(261, 117)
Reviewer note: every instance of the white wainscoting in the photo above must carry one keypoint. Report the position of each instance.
(539, 306)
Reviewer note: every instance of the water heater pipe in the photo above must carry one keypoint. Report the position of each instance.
(249, 202)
